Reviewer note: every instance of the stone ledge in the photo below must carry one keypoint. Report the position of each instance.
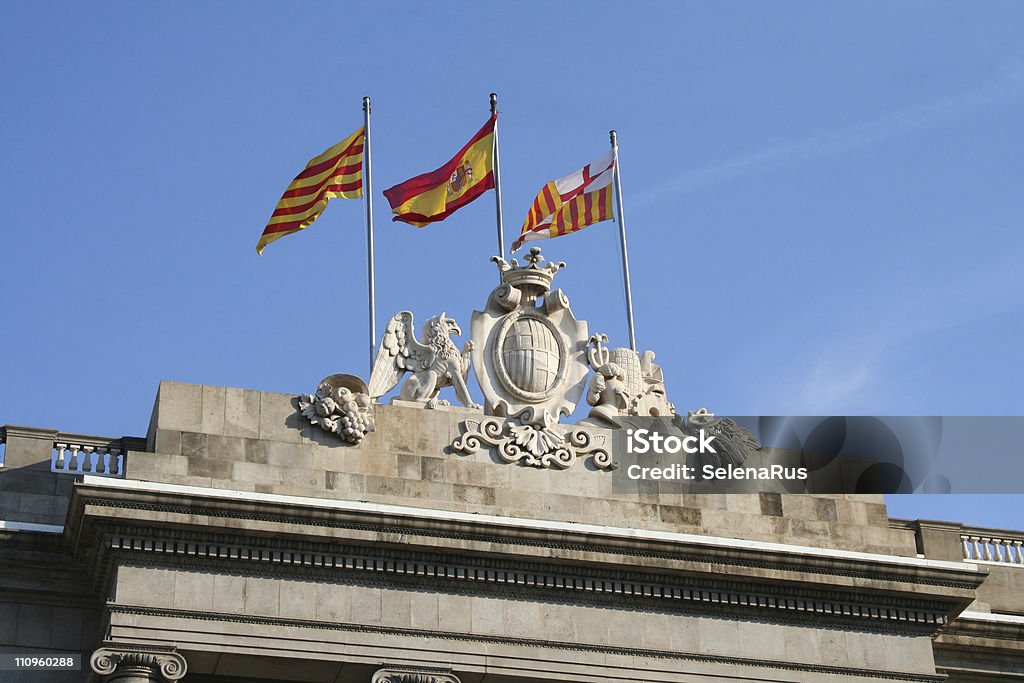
(273, 517)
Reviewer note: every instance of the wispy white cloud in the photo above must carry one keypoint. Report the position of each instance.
(847, 374)
(1008, 84)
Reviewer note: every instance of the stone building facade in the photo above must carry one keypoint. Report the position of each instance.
(239, 542)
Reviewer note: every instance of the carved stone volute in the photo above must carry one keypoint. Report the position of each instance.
(117, 663)
(395, 675)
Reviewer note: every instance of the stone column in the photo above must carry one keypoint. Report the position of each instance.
(125, 664)
(414, 675)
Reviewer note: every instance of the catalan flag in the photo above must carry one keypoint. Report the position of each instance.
(338, 172)
(434, 196)
(571, 203)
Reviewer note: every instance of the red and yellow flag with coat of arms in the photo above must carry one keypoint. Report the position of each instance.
(433, 196)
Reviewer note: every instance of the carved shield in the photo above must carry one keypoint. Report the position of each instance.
(528, 359)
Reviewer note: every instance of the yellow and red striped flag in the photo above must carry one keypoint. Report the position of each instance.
(433, 196)
(570, 203)
(337, 173)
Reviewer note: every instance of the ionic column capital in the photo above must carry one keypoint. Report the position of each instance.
(127, 664)
(414, 675)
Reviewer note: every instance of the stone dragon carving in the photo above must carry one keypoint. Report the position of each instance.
(434, 363)
(734, 442)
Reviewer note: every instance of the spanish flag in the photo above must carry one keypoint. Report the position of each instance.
(570, 203)
(434, 196)
(338, 172)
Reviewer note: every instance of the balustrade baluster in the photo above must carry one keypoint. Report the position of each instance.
(58, 459)
(72, 460)
(86, 464)
(992, 549)
(1000, 550)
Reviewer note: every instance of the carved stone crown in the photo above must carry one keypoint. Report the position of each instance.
(532, 278)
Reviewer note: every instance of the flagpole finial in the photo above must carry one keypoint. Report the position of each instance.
(494, 103)
(366, 104)
(614, 137)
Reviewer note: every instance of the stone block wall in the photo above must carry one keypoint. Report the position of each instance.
(256, 441)
(481, 621)
(29, 491)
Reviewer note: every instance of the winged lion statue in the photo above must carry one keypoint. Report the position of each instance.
(434, 363)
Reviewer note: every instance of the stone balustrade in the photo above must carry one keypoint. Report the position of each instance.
(78, 454)
(34, 482)
(989, 545)
(74, 454)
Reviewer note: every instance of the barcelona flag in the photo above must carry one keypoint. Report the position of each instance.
(570, 203)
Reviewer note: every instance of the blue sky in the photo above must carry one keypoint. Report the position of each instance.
(823, 199)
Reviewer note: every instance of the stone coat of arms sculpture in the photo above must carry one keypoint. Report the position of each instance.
(530, 357)
(529, 350)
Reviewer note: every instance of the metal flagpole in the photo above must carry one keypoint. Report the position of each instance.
(497, 179)
(368, 198)
(622, 237)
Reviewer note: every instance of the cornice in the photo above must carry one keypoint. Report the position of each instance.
(718, 573)
(459, 555)
(581, 585)
(968, 627)
(409, 528)
(42, 433)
